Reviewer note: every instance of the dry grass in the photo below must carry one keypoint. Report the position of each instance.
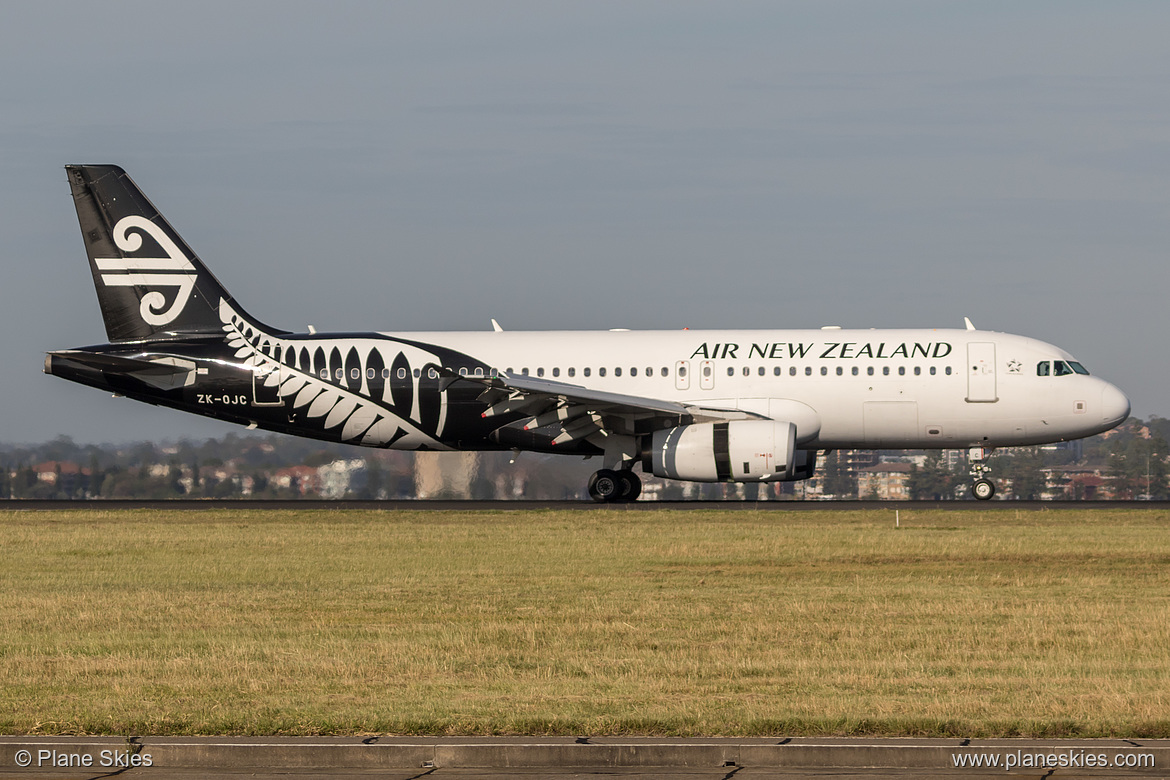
(976, 623)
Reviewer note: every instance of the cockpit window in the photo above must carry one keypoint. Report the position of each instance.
(1078, 367)
(1043, 368)
(1060, 368)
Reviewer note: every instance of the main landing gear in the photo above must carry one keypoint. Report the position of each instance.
(983, 488)
(614, 486)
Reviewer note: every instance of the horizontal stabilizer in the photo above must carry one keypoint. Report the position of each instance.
(115, 363)
(164, 373)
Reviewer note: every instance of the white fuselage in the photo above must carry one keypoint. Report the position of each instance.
(843, 388)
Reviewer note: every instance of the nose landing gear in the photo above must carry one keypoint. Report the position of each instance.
(983, 488)
(614, 486)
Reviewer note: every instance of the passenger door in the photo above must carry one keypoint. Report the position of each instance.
(981, 387)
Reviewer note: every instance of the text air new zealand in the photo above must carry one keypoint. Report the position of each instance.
(738, 406)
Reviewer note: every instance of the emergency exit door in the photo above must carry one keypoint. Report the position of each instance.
(981, 373)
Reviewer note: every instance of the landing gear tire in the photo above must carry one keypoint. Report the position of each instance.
(605, 486)
(631, 486)
(983, 489)
(609, 486)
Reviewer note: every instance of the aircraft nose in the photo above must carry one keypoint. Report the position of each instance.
(1114, 405)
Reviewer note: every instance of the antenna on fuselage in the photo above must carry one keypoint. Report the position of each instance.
(970, 326)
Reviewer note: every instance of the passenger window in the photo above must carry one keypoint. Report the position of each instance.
(731, 371)
(901, 370)
(747, 371)
(617, 371)
(932, 370)
(585, 371)
(948, 371)
(601, 372)
(776, 371)
(665, 371)
(1043, 368)
(463, 371)
(885, 370)
(707, 371)
(649, 371)
(808, 370)
(869, 370)
(824, 370)
(369, 373)
(324, 373)
(418, 372)
(856, 371)
(917, 370)
(479, 371)
(792, 371)
(402, 373)
(840, 371)
(572, 372)
(556, 372)
(524, 371)
(540, 371)
(432, 373)
(633, 372)
(760, 371)
(682, 371)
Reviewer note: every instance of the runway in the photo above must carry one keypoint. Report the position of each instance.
(561, 757)
(420, 505)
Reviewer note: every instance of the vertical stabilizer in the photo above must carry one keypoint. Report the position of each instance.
(149, 282)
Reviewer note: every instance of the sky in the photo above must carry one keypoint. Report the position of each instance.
(432, 165)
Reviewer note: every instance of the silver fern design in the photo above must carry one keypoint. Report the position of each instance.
(349, 396)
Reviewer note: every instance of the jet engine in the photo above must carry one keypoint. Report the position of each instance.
(734, 451)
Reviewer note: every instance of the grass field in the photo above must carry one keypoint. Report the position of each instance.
(979, 623)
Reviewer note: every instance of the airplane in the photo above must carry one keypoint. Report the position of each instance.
(704, 406)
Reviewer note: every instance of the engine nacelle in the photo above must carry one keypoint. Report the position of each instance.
(735, 451)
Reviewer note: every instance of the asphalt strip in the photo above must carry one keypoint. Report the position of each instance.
(32, 756)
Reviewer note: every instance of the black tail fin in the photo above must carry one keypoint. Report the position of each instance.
(149, 282)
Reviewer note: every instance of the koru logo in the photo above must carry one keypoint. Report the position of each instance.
(174, 270)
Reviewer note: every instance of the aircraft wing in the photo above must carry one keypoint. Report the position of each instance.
(568, 412)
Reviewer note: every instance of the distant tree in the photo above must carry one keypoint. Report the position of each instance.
(93, 481)
(934, 481)
(225, 489)
(1137, 467)
(482, 488)
(24, 482)
(319, 458)
(372, 489)
(838, 481)
(1024, 466)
